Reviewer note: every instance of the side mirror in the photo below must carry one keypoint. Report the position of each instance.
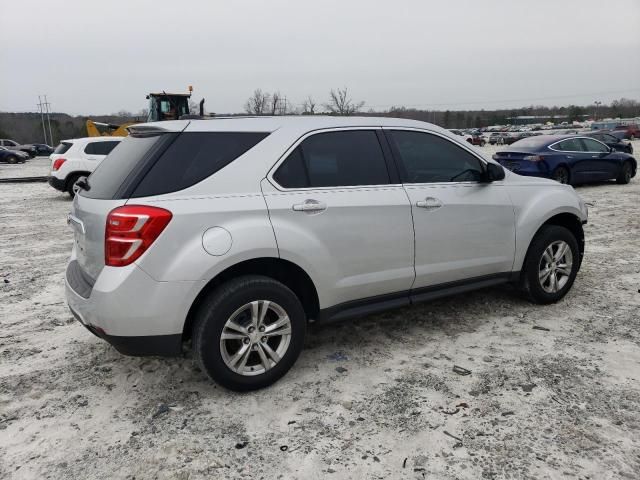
(494, 172)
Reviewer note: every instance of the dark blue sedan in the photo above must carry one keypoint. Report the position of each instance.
(571, 159)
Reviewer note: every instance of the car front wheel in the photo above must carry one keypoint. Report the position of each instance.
(625, 174)
(249, 332)
(551, 265)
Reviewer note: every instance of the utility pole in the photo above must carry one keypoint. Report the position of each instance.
(48, 107)
(41, 110)
(597, 103)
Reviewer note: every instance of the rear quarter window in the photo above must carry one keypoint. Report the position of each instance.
(192, 157)
(100, 148)
(63, 147)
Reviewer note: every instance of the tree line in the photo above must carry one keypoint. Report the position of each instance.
(27, 127)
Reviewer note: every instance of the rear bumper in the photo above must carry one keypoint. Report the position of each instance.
(57, 183)
(130, 310)
(526, 168)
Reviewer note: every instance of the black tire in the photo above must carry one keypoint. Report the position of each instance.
(530, 278)
(625, 173)
(12, 159)
(561, 174)
(221, 304)
(71, 181)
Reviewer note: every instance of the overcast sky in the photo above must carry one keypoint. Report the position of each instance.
(105, 56)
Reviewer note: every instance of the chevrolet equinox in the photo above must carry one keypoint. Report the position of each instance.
(235, 232)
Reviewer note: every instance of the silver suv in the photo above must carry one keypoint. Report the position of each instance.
(234, 233)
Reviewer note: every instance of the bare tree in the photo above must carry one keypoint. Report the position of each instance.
(275, 105)
(257, 103)
(309, 106)
(341, 104)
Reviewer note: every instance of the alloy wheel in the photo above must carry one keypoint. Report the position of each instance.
(555, 266)
(255, 337)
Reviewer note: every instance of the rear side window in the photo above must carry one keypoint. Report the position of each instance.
(63, 147)
(194, 156)
(334, 159)
(569, 145)
(100, 148)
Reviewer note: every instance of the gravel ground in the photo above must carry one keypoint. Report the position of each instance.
(33, 167)
(554, 391)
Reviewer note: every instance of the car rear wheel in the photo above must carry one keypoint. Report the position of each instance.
(551, 265)
(561, 174)
(71, 185)
(625, 174)
(249, 332)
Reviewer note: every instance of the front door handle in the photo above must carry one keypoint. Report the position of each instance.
(310, 205)
(430, 203)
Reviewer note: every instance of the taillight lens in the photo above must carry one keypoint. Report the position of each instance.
(533, 158)
(130, 231)
(57, 163)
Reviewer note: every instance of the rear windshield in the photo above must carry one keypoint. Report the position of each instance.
(63, 147)
(152, 165)
(531, 142)
(106, 181)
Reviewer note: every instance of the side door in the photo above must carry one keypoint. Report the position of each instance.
(603, 165)
(571, 152)
(339, 211)
(464, 227)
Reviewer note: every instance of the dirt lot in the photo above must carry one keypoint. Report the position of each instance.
(372, 398)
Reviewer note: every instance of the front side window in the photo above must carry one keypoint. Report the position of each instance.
(594, 146)
(428, 158)
(334, 159)
(569, 145)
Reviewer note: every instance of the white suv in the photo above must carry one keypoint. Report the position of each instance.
(77, 158)
(234, 233)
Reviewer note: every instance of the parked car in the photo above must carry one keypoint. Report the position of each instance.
(630, 132)
(477, 139)
(13, 145)
(42, 149)
(12, 156)
(77, 158)
(496, 138)
(237, 232)
(611, 141)
(567, 159)
(468, 138)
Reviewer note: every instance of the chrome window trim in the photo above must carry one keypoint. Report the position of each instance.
(576, 151)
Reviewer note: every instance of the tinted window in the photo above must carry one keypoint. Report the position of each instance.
(569, 145)
(192, 157)
(594, 146)
(63, 147)
(610, 138)
(100, 148)
(426, 158)
(129, 156)
(335, 159)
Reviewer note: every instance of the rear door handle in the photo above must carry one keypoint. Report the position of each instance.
(310, 205)
(430, 203)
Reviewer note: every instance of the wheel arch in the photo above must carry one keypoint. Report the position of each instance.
(564, 219)
(72, 175)
(284, 271)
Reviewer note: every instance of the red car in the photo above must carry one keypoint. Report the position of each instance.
(631, 132)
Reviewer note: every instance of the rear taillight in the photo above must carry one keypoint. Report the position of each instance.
(533, 158)
(57, 163)
(130, 231)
